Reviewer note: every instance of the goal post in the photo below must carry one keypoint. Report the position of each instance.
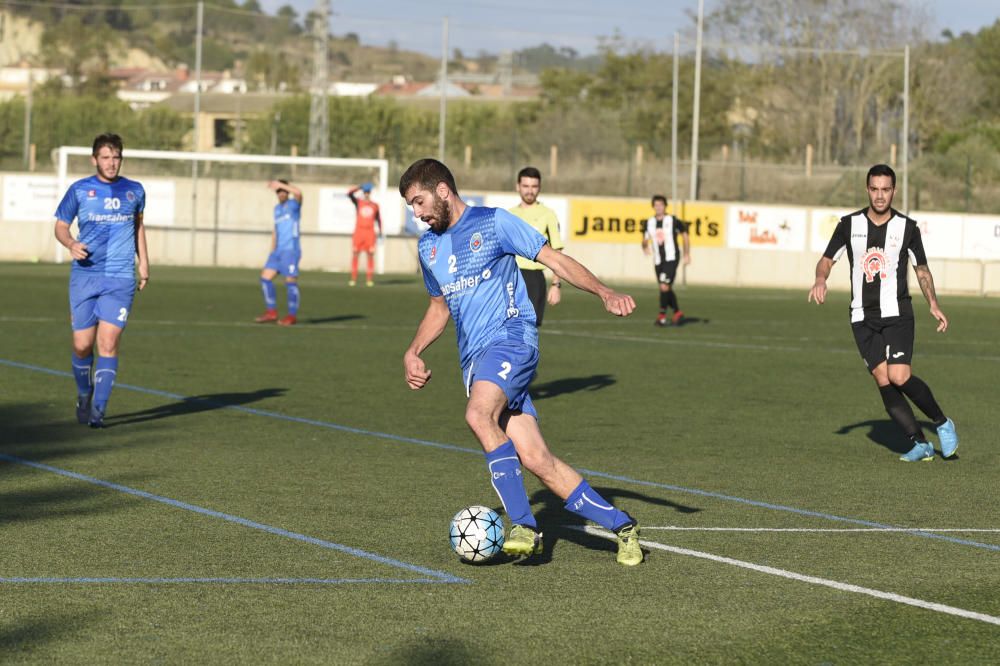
(213, 195)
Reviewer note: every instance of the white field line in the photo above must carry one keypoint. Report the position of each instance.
(676, 528)
(709, 344)
(813, 580)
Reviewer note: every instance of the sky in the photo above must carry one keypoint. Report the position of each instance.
(496, 25)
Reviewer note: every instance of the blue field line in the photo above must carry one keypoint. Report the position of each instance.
(255, 412)
(67, 580)
(603, 475)
(356, 552)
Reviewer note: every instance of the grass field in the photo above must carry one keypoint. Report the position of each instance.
(279, 495)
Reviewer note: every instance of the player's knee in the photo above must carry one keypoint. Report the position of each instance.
(899, 374)
(291, 280)
(479, 418)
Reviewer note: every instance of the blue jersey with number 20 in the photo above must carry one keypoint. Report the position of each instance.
(106, 214)
(472, 265)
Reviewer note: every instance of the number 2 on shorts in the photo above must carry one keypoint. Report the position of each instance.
(504, 370)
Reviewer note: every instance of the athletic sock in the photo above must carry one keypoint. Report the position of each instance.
(105, 373)
(585, 501)
(664, 301)
(899, 409)
(270, 294)
(292, 288)
(505, 474)
(81, 373)
(354, 267)
(919, 392)
(672, 300)
(370, 270)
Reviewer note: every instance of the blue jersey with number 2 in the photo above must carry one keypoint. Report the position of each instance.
(472, 265)
(106, 214)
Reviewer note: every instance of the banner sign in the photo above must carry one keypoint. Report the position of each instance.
(767, 228)
(30, 198)
(941, 234)
(981, 238)
(624, 220)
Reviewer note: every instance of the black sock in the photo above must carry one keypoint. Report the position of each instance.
(672, 300)
(900, 411)
(919, 392)
(664, 301)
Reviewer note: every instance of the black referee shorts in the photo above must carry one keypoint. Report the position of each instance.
(666, 271)
(534, 282)
(889, 340)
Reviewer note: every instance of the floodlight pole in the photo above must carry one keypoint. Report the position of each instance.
(442, 117)
(673, 123)
(197, 137)
(697, 101)
(906, 128)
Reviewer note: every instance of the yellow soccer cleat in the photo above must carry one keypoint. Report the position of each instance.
(629, 551)
(523, 541)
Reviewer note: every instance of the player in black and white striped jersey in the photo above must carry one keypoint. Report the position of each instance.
(878, 240)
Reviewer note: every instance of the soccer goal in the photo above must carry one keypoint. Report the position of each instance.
(208, 209)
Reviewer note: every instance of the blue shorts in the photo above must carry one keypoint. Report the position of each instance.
(285, 262)
(509, 365)
(93, 298)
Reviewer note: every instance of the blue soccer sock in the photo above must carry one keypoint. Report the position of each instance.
(270, 294)
(104, 380)
(586, 502)
(293, 297)
(81, 373)
(505, 474)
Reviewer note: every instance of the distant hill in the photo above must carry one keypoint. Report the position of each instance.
(274, 50)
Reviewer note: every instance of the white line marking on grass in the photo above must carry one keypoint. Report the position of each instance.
(833, 530)
(684, 342)
(478, 452)
(813, 580)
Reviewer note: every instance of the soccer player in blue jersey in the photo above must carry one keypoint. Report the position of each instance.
(285, 254)
(468, 262)
(108, 209)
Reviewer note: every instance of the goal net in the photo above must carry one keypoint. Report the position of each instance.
(210, 209)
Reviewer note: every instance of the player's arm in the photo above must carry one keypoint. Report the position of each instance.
(140, 250)
(292, 190)
(571, 270)
(926, 281)
(378, 220)
(686, 238)
(430, 329)
(76, 249)
(818, 291)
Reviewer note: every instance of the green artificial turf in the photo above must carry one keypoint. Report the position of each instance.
(303, 491)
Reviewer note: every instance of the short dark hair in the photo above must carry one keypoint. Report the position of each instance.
(108, 139)
(283, 181)
(426, 173)
(880, 170)
(658, 197)
(529, 172)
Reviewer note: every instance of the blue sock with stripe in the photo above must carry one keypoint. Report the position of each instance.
(585, 501)
(270, 294)
(505, 474)
(81, 373)
(293, 297)
(104, 380)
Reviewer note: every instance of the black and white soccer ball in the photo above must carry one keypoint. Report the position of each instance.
(476, 533)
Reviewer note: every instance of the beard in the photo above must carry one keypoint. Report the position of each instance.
(441, 214)
(880, 211)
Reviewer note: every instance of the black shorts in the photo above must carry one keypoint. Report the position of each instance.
(889, 340)
(534, 282)
(666, 271)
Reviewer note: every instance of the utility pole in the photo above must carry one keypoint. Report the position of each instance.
(696, 113)
(319, 119)
(443, 112)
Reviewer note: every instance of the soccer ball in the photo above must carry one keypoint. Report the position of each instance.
(476, 533)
